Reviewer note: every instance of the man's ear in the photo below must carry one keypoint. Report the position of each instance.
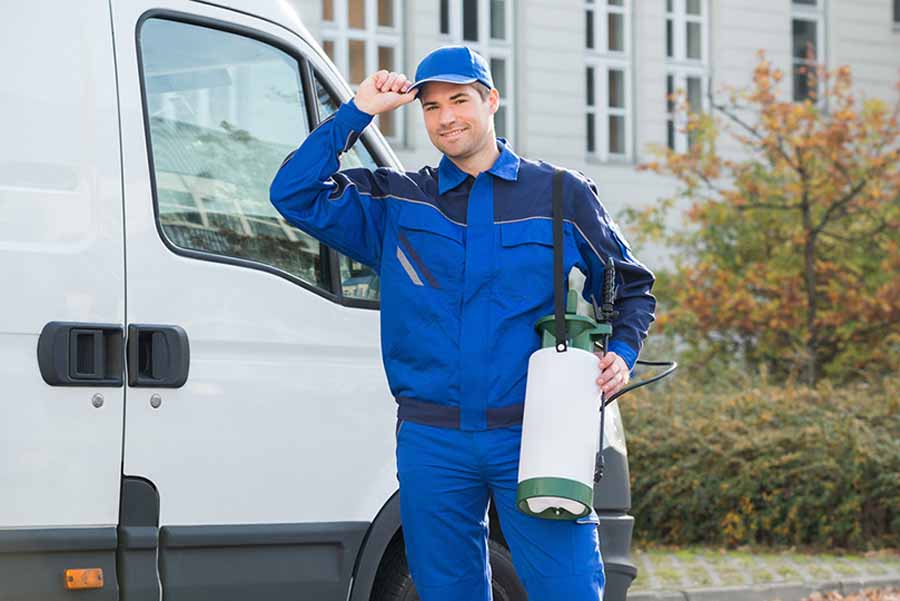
(494, 100)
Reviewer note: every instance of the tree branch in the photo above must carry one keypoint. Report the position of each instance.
(881, 227)
(711, 186)
(849, 196)
(763, 205)
(856, 334)
(837, 164)
(722, 108)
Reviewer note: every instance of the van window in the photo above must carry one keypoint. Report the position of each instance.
(223, 111)
(358, 281)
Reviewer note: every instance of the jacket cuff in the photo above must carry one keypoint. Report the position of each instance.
(624, 350)
(349, 115)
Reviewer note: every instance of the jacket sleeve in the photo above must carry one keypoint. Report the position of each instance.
(598, 237)
(343, 209)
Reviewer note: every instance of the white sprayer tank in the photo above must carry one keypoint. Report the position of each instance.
(560, 434)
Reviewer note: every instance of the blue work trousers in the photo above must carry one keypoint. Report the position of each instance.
(447, 477)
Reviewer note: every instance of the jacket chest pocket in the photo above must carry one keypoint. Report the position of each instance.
(526, 259)
(429, 249)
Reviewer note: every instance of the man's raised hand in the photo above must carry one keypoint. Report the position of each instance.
(384, 91)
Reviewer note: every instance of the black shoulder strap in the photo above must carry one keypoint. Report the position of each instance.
(559, 293)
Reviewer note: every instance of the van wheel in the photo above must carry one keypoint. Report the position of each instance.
(395, 584)
(505, 582)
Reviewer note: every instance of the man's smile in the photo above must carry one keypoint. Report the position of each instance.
(453, 133)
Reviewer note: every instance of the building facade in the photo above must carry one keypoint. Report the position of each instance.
(584, 83)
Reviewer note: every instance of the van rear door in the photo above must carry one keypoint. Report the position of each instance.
(63, 280)
(257, 404)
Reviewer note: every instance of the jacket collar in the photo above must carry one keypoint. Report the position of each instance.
(505, 167)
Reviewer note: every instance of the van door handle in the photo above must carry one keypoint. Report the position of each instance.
(159, 356)
(81, 354)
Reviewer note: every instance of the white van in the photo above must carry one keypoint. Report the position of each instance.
(196, 406)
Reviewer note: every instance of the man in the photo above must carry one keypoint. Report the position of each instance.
(465, 253)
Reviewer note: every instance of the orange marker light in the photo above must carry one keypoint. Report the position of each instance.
(82, 579)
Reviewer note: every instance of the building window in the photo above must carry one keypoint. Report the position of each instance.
(361, 37)
(807, 22)
(445, 17)
(687, 65)
(485, 26)
(896, 13)
(608, 79)
(685, 27)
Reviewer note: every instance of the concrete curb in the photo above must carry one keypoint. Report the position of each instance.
(780, 591)
(856, 585)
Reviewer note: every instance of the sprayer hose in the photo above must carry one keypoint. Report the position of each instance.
(672, 366)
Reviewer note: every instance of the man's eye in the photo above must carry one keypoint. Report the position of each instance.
(460, 100)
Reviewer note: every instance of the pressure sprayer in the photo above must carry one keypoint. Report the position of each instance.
(561, 456)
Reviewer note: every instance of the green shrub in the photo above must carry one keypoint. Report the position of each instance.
(766, 465)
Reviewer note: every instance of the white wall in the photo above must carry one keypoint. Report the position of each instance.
(862, 35)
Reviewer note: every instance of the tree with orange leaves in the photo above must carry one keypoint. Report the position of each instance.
(791, 254)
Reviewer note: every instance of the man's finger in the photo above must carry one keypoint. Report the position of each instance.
(606, 375)
(604, 382)
(614, 384)
(386, 86)
(380, 76)
(400, 83)
(614, 374)
(607, 385)
(607, 359)
(409, 96)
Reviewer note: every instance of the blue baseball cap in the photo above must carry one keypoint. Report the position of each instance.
(453, 64)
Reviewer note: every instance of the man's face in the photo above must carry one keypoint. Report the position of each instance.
(458, 121)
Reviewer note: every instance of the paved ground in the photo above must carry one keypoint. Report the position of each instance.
(710, 574)
(884, 594)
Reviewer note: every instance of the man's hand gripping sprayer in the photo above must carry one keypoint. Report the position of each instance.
(604, 314)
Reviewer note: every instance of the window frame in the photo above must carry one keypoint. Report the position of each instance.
(679, 67)
(815, 14)
(680, 19)
(490, 48)
(602, 111)
(679, 119)
(602, 60)
(339, 33)
(328, 256)
(326, 79)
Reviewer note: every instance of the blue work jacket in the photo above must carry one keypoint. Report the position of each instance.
(466, 266)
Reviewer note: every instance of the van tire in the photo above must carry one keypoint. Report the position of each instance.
(395, 584)
(504, 582)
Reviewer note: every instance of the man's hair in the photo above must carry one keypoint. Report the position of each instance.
(482, 90)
